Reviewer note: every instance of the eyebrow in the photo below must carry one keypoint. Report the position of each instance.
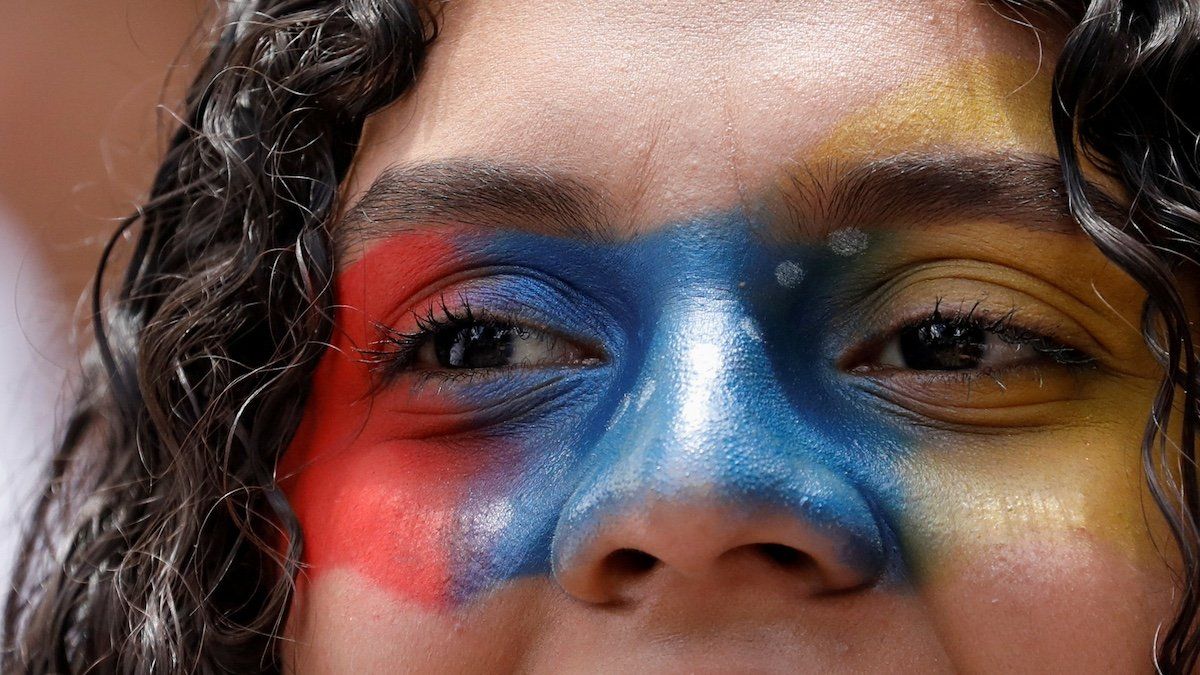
(1024, 190)
(483, 194)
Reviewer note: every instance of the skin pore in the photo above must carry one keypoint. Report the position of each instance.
(637, 359)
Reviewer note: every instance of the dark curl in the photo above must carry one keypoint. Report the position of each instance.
(1127, 94)
(156, 545)
(168, 560)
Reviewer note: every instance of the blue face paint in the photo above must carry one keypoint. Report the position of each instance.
(719, 383)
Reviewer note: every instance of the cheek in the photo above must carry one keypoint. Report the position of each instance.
(344, 622)
(1035, 548)
(1066, 602)
(385, 511)
(373, 500)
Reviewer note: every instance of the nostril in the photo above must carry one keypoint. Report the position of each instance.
(784, 556)
(629, 562)
(666, 543)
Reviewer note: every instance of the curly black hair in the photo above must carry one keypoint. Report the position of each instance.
(156, 542)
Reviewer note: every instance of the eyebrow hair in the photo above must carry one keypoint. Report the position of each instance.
(480, 193)
(1024, 190)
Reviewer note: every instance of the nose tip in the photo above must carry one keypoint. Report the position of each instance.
(712, 542)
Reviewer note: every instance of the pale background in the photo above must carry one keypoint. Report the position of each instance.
(80, 127)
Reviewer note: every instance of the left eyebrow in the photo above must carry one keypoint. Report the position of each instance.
(1019, 189)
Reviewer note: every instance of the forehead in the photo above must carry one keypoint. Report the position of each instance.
(674, 107)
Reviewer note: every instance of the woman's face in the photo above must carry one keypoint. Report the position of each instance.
(724, 335)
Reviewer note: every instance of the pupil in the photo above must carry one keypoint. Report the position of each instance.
(942, 345)
(475, 346)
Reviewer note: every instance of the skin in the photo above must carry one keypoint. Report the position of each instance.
(718, 395)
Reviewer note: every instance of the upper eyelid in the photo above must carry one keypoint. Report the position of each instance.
(1084, 320)
(985, 290)
(526, 294)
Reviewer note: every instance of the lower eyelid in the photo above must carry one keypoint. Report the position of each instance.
(1019, 397)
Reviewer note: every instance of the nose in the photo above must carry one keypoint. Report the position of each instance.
(715, 542)
(711, 474)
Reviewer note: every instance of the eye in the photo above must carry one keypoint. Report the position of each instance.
(476, 344)
(970, 342)
(946, 345)
(458, 340)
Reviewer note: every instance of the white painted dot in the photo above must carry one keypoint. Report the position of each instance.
(789, 273)
(848, 241)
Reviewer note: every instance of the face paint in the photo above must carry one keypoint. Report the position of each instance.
(365, 496)
(997, 102)
(717, 383)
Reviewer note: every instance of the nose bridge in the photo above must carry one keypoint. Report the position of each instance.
(707, 421)
(705, 382)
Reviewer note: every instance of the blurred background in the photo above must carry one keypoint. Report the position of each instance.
(87, 91)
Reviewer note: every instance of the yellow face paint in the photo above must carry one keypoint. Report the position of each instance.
(1074, 471)
(994, 103)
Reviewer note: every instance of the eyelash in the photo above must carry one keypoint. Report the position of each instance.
(1005, 327)
(396, 351)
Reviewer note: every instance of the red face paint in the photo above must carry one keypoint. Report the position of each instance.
(371, 483)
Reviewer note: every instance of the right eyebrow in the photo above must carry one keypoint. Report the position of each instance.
(482, 194)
